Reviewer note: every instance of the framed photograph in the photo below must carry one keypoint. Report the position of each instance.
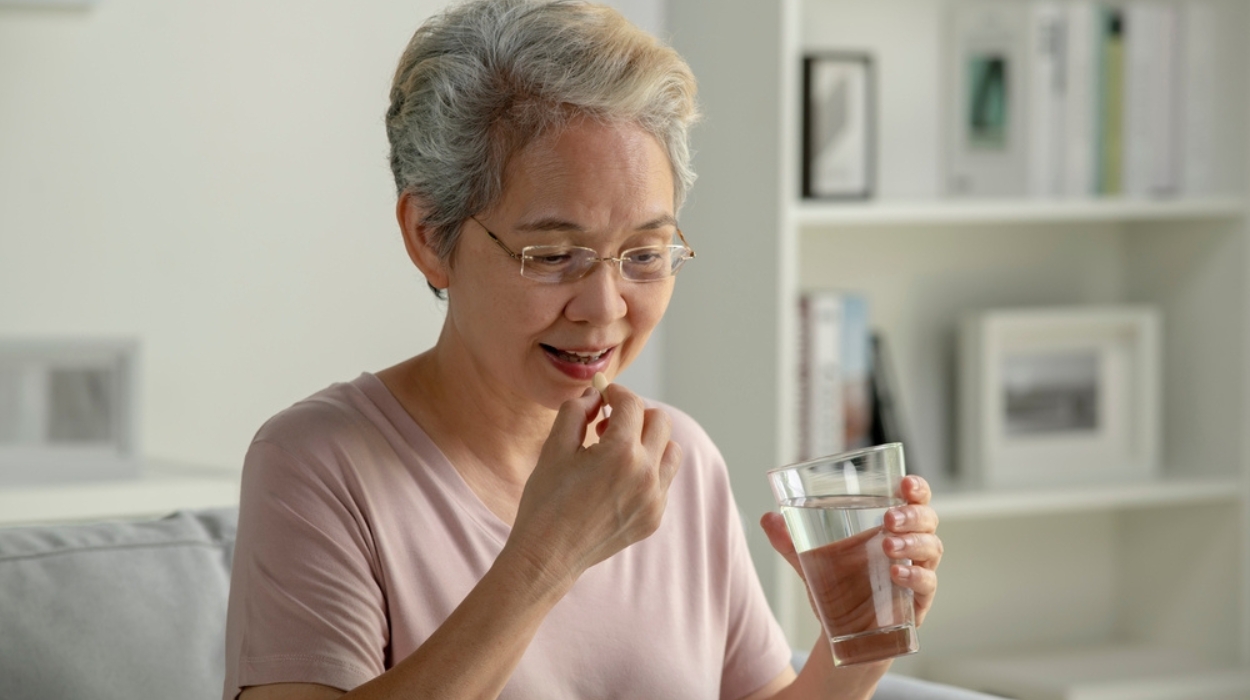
(1059, 396)
(838, 130)
(68, 410)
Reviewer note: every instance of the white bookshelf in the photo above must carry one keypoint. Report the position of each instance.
(1115, 567)
(1022, 211)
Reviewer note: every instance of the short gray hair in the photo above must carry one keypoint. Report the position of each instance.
(484, 78)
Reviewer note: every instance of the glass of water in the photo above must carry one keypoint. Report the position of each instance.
(835, 511)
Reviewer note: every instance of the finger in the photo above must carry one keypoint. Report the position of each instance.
(627, 413)
(920, 580)
(670, 462)
(779, 537)
(912, 518)
(569, 430)
(916, 490)
(920, 548)
(657, 427)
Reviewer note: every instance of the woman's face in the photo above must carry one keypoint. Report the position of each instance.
(608, 187)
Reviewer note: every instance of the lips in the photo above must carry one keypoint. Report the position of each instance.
(579, 364)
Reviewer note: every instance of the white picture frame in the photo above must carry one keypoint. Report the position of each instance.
(1051, 397)
(69, 410)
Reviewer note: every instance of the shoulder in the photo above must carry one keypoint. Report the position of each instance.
(703, 468)
(333, 414)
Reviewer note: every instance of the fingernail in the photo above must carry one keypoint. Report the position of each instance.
(898, 518)
(904, 572)
(589, 391)
(895, 544)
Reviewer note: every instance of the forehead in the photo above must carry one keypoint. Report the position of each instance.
(590, 173)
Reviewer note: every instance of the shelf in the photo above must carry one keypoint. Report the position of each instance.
(1014, 211)
(160, 489)
(1101, 673)
(979, 505)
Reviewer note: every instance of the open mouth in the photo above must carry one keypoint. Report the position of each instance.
(581, 358)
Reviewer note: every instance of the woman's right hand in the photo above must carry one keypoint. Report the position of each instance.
(584, 504)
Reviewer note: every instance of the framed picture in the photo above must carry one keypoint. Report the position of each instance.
(68, 410)
(838, 130)
(1059, 396)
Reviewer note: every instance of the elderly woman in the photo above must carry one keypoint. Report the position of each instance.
(466, 523)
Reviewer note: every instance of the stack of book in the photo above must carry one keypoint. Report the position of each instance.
(845, 388)
(1080, 98)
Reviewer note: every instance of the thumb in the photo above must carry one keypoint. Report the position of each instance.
(779, 537)
(569, 430)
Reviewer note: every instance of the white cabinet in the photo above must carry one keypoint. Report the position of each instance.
(1153, 567)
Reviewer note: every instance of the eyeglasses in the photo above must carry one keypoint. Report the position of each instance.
(554, 264)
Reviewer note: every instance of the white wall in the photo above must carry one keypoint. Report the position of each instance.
(211, 178)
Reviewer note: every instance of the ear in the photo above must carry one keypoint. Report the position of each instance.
(419, 242)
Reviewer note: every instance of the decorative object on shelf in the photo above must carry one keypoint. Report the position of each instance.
(1054, 396)
(835, 373)
(68, 410)
(838, 130)
(985, 65)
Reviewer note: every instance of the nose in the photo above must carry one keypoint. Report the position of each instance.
(597, 297)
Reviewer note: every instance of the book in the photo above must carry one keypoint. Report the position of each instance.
(888, 423)
(1151, 66)
(835, 390)
(1047, 98)
(1080, 107)
(1110, 153)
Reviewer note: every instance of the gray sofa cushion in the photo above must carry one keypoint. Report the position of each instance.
(116, 610)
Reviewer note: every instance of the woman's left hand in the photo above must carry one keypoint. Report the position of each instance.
(911, 534)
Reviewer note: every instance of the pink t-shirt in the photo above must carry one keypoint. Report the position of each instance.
(357, 539)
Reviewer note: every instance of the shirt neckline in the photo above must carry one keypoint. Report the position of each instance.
(444, 472)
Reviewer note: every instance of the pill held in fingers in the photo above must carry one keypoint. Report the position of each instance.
(600, 383)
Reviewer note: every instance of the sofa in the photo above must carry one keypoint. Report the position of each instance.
(136, 610)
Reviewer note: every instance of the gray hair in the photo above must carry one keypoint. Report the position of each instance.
(484, 78)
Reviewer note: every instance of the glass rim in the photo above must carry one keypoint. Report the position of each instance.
(836, 457)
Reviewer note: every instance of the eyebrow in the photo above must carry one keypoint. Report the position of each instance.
(557, 224)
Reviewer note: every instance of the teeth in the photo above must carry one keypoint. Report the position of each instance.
(580, 357)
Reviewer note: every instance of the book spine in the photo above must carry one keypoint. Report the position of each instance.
(856, 390)
(1048, 36)
(823, 422)
(1111, 112)
(1165, 178)
(1080, 109)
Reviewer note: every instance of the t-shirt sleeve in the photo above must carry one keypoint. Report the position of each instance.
(305, 602)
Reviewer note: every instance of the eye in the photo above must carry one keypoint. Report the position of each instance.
(550, 257)
(645, 256)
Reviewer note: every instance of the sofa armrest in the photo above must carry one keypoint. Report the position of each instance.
(116, 610)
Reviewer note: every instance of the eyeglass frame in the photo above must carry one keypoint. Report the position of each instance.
(620, 261)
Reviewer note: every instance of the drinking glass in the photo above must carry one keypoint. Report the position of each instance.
(835, 511)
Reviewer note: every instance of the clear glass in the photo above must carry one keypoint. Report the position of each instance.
(835, 511)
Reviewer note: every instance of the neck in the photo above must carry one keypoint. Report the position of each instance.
(489, 434)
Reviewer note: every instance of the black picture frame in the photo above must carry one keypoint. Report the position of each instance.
(839, 125)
